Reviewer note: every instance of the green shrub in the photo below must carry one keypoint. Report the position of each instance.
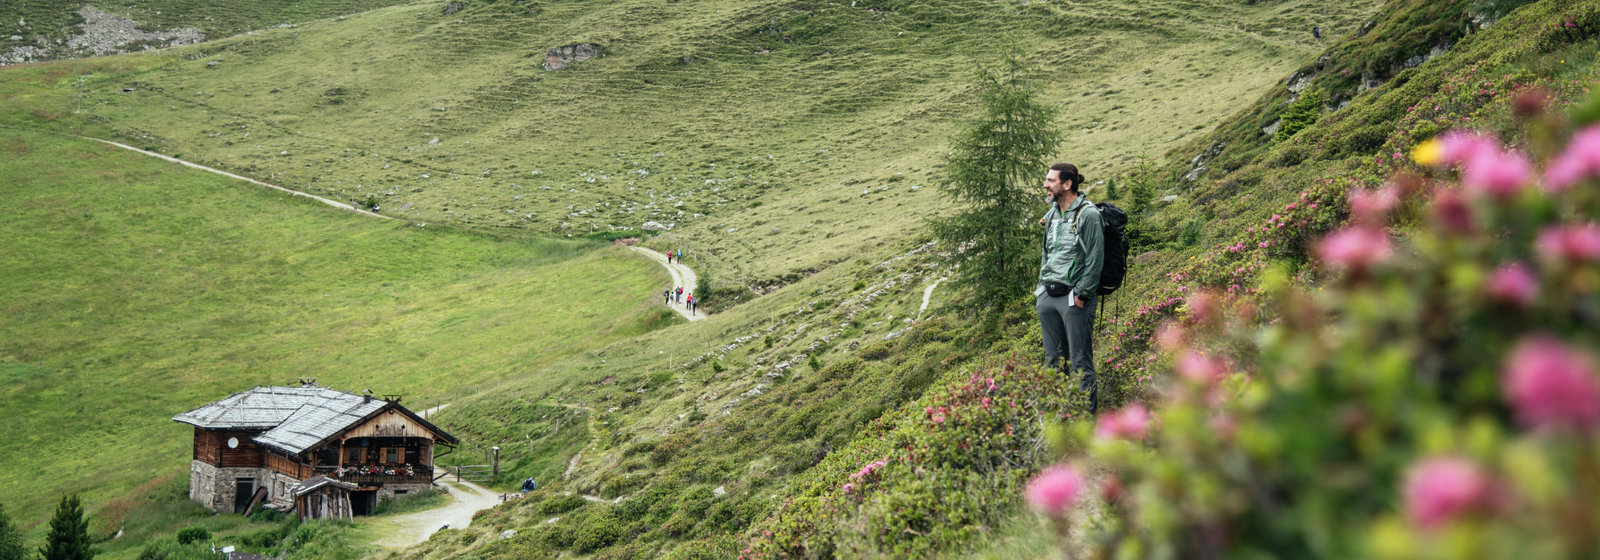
(559, 504)
(167, 549)
(1304, 112)
(599, 532)
(190, 535)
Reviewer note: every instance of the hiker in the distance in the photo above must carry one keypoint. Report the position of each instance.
(691, 304)
(1069, 277)
(669, 256)
(529, 486)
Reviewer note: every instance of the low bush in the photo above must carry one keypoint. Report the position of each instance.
(190, 535)
(556, 505)
(599, 532)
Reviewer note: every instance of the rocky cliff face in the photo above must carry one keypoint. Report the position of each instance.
(101, 33)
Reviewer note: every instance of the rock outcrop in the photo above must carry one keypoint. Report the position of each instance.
(102, 33)
(559, 57)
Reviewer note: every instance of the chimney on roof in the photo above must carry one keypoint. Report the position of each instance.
(366, 396)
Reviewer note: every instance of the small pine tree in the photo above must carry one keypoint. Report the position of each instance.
(69, 533)
(10, 539)
(993, 176)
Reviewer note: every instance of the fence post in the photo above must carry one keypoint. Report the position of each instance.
(497, 460)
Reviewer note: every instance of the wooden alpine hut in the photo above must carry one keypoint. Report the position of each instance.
(264, 445)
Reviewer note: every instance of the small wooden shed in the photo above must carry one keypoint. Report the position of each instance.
(320, 497)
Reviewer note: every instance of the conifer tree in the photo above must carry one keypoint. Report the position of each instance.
(10, 538)
(69, 533)
(994, 175)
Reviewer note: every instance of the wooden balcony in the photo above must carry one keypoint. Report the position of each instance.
(379, 474)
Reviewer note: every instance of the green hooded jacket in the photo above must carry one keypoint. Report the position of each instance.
(1074, 248)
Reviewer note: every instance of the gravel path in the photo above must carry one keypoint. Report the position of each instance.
(927, 294)
(329, 202)
(412, 528)
(681, 276)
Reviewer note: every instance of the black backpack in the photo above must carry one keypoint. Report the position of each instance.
(1114, 229)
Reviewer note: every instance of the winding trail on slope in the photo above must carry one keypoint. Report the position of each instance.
(927, 294)
(328, 201)
(681, 276)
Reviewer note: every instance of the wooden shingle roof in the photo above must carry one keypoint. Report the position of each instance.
(296, 419)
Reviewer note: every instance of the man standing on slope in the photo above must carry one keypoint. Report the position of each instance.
(1069, 277)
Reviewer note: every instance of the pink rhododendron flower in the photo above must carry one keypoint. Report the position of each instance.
(1581, 160)
(1356, 247)
(1224, 425)
(867, 470)
(1514, 284)
(1551, 385)
(1199, 368)
(1455, 148)
(1451, 213)
(1169, 335)
(1055, 489)
(1202, 306)
(1441, 489)
(1575, 243)
(1496, 174)
(848, 487)
(1111, 489)
(1130, 423)
(1373, 206)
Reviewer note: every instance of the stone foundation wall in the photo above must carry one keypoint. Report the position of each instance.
(214, 487)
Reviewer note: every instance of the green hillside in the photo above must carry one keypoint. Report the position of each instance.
(794, 148)
(798, 123)
(137, 289)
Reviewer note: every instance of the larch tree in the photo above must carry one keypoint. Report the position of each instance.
(994, 175)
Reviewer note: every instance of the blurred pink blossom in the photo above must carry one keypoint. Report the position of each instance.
(1224, 425)
(1451, 213)
(1199, 368)
(848, 487)
(1169, 335)
(1514, 284)
(1373, 206)
(1461, 146)
(1055, 489)
(1202, 306)
(1355, 247)
(1441, 489)
(1111, 489)
(1496, 174)
(1129, 423)
(1575, 243)
(1581, 160)
(1551, 385)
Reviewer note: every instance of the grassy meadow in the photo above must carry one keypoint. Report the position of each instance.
(776, 137)
(137, 289)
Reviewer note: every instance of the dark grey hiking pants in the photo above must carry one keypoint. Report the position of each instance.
(1069, 333)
